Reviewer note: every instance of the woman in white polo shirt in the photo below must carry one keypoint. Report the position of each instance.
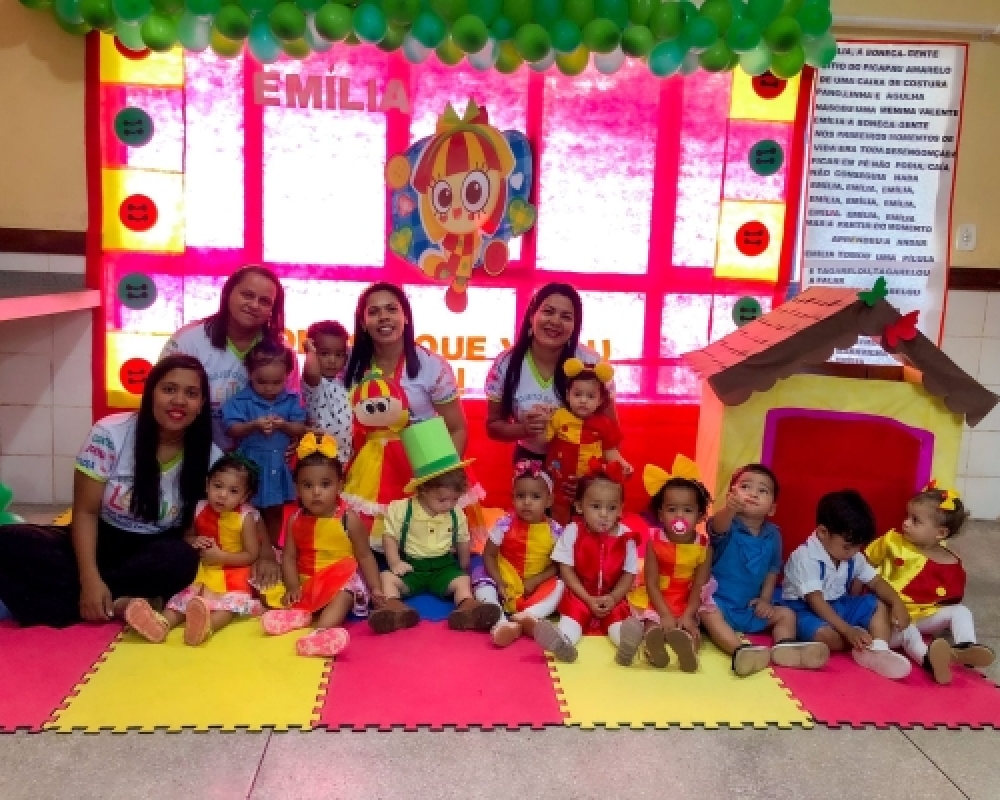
(251, 306)
(138, 479)
(526, 382)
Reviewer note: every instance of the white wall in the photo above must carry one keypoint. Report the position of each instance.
(972, 340)
(45, 392)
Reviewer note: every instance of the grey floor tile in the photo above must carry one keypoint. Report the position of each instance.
(105, 766)
(968, 758)
(977, 546)
(569, 763)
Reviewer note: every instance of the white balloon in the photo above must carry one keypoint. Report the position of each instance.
(690, 64)
(545, 63)
(609, 63)
(316, 42)
(414, 51)
(485, 58)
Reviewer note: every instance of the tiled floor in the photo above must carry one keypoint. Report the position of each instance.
(558, 763)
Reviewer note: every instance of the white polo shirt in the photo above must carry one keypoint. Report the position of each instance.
(810, 569)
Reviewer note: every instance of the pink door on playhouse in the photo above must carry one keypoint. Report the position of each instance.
(815, 452)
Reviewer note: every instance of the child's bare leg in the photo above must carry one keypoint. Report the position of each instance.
(831, 639)
(880, 627)
(220, 619)
(336, 611)
(783, 624)
(392, 585)
(720, 632)
(273, 516)
(460, 589)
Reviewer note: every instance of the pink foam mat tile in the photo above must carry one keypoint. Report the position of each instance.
(842, 693)
(41, 667)
(430, 676)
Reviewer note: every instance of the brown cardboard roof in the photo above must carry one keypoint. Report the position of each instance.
(805, 331)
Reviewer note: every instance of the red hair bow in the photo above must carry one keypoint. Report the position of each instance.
(613, 471)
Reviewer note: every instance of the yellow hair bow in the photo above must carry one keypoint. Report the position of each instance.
(948, 496)
(325, 445)
(654, 478)
(603, 370)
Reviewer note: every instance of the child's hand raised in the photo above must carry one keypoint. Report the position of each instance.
(858, 638)
(734, 502)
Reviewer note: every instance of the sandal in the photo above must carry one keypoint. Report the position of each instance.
(628, 644)
(281, 621)
(800, 655)
(749, 659)
(150, 625)
(324, 642)
(506, 632)
(197, 622)
(682, 644)
(655, 648)
(552, 640)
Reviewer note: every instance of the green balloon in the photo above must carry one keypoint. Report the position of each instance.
(263, 44)
(369, 23)
(743, 35)
(573, 63)
(639, 11)
(310, 6)
(296, 48)
(68, 11)
(392, 40)
(449, 10)
(98, 14)
(257, 6)
(792, 7)
(739, 8)
(77, 29)
(788, 65)
(518, 11)
(203, 8)
(757, 61)
(815, 20)
(614, 10)
(449, 53)
(716, 58)
(428, 29)
(579, 12)
(132, 10)
(401, 12)
(533, 42)
(502, 29)
(667, 21)
(288, 23)
(233, 23)
(171, 7)
(720, 12)
(159, 32)
(601, 36)
(470, 33)
(666, 58)
(508, 58)
(764, 12)
(36, 5)
(565, 35)
(486, 10)
(547, 12)
(128, 34)
(333, 22)
(783, 34)
(820, 51)
(690, 10)
(691, 63)
(701, 32)
(637, 41)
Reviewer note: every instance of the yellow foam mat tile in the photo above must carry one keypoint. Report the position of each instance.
(596, 691)
(239, 679)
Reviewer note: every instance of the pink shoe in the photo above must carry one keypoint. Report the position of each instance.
(140, 617)
(326, 642)
(282, 621)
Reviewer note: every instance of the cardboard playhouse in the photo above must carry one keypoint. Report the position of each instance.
(769, 395)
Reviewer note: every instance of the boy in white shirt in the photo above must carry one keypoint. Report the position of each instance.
(818, 576)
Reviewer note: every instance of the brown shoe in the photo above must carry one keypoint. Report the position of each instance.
(393, 616)
(628, 645)
(654, 645)
(751, 658)
(800, 655)
(474, 615)
(971, 654)
(506, 632)
(682, 644)
(938, 661)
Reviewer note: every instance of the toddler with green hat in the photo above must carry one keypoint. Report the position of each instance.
(426, 537)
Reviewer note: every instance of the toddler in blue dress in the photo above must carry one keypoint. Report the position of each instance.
(746, 562)
(265, 418)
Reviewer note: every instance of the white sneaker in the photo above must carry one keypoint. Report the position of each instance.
(880, 659)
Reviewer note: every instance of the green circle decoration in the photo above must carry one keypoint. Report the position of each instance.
(669, 37)
(746, 310)
(766, 157)
(133, 127)
(137, 291)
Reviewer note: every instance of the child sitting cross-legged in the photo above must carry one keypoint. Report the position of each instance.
(225, 535)
(327, 566)
(746, 562)
(598, 560)
(426, 537)
(817, 578)
(930, 579)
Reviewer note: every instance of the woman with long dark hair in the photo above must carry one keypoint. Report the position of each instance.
(384, 340)
(138, 479)
(251, 308)
(526, 382)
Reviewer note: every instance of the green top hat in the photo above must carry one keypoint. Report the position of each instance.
(430, 451)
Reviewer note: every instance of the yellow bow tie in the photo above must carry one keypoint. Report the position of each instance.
(325, 445)
(654, 477)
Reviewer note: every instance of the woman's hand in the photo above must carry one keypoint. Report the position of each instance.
(535, 421)
(95, 601)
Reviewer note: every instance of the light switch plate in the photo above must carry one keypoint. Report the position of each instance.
(965, 237)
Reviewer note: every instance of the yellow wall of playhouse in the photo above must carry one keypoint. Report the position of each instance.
(42, 176)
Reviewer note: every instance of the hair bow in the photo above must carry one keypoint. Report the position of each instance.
(599, 468)
(532, 469)
(603, 371)
(948, 496)
(654, 478)
(325, 445)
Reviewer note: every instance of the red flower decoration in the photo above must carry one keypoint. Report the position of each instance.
(904, 328)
